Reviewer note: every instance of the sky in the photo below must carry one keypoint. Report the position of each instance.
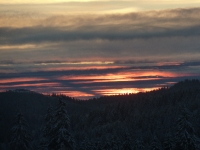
(89, 48)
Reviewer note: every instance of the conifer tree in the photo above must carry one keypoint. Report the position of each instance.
(20, 139)
(139, 145)
(47, 129)
(107, 145)
(127, 143)
(155, 145)
(49, 121)
(85, 144)
(168, 142)
(97, 146)
(185, 137)
(61, 138)
(114, 143)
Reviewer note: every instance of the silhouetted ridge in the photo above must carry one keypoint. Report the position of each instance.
(186, 85)
(167, 118)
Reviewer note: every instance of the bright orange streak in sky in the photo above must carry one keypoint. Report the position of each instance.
(20, 80)
(32, 85)
(116, 80)
(66, 68)
(123, 76)
(123, 91)
(169, 63)
(133, 75)
(77, 94)
(78, 63)
(155, 73)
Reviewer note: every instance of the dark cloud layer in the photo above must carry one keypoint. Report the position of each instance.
(151, 49)
(40, 35)
(171, 35)
(51, 81)
(152, 24)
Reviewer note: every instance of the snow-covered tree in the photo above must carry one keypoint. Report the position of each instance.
(155, 144)
(185, 137)
(168, 142)
(47, 129)
(139, 145)
(20, 138)
(114, 141)
(97, 146)
(61, 138)
(126, 145)
(49, 120)
(107, 144)
(85, 144)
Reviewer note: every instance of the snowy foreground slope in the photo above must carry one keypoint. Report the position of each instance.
(168, 118)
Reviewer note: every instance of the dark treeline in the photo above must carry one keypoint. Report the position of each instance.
(165, 119)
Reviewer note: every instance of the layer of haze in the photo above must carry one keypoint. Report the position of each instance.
(92, 48)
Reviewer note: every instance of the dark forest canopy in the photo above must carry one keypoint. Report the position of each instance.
(168, 118)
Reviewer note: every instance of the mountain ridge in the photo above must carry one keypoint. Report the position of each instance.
(143, 114)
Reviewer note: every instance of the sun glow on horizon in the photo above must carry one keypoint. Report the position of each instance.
(94, 79)
(90, 48)
(124, 91)
(20, 79)
(73, 94)
(77, 63)
(122, 76)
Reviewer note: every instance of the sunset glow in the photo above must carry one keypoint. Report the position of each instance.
(89, 83)
(20, 80)
(31, 85)
(122, 91)
(90, 48)
(94, 71)
(75, 94)
(123, 76)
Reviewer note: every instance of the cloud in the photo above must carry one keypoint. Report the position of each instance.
(131, 50)
(92, 82)
(46, 17)
(138, 50)
(152, 24)
(77, 87)
(40, 35)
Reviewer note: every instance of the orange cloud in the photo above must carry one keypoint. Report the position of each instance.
(60, 67)
(20, 80)
(122, 76)
(24, 85)
(169, 63)
(76, 94)
(124, 91)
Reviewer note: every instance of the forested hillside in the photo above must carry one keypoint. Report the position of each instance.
(168, 118)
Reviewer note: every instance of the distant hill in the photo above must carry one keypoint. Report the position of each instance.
(32, 105)
(142, 115)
